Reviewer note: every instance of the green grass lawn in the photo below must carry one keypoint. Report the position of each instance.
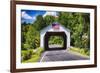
(80, 51)
(31, 55)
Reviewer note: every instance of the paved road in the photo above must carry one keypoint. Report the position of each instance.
(60, 55)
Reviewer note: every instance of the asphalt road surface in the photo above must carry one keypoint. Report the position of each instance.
(60, 55)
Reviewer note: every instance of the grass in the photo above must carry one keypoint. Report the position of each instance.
(34, 58)
(80, 51)
(31, 55)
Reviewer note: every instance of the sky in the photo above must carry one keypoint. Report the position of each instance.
(29, 16)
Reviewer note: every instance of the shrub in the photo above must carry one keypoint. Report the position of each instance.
(88, 53)
(31, 55)
(39, 50)
(26, 54)
(25, 46)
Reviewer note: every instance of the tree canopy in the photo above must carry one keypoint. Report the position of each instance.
(78, 23)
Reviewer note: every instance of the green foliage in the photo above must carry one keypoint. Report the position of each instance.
(34, 58)
(39, 23)
(26, 46)
(78, 23)
(30, 37)
(85, 41)
(26, 54)
(49, 19)
(82, 51)
(56, 40)
(31, 55)
(39, 51)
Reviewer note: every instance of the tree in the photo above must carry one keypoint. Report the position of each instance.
(78, 23)
(39, 23)
(49, 19)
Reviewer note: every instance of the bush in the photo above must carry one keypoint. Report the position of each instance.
(88, 53)
(26, 54)
(31, 55)
(39, 50)
(25, 46)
